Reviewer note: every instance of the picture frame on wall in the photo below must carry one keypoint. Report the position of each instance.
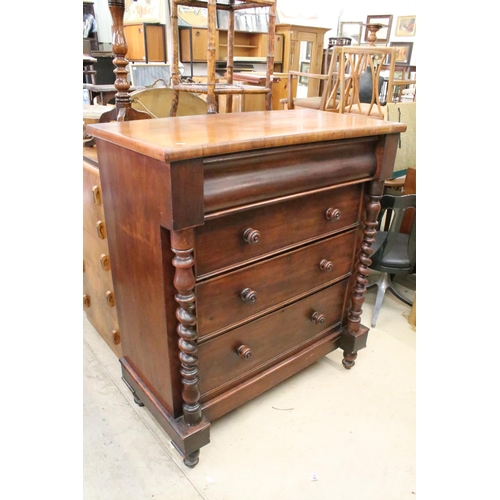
(352, 30)
(403, 52)
(305, 67)
(384, 33)
(406, 26)
(143, 11)
(197, 17)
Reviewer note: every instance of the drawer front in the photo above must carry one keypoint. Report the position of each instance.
(237, 238)
(268, 338)
(235, 296)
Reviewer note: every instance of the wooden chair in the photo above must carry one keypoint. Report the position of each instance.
(212, 88)
(350, 68)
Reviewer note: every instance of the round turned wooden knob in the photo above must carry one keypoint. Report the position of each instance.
(248, 295)
(318, 318)
(244, 352)
(96, 195)
(333, 214)
(101, 229)
(116, 337)
(110, 298)
(326, 265)
(251, 236)
(105, 264)
(86, 301)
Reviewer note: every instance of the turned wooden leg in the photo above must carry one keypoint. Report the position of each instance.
(137, 401)
(349, 359)
(192, 459)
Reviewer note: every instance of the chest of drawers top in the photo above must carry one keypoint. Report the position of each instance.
(188, 137)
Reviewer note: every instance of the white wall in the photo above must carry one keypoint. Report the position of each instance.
(320, 13)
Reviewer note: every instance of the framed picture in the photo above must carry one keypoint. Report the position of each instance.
(192, 16)
(384, 33)
(144, 11)
(403, 52)
(304, 68)
(352, 30)
(254, 20)
(406, 26)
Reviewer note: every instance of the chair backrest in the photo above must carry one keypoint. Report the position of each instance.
(352, 62)
(395, 250)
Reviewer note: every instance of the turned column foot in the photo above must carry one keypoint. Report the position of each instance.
(349, 360)
(192, 459)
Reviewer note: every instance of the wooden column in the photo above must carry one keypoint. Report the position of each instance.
(184, 282)
(354, 335)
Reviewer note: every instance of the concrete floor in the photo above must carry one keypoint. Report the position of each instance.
(326, 433)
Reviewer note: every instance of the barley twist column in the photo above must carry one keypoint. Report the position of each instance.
(184, 282)
(354, 337)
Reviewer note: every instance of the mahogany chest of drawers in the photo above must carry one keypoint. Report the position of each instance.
(240, 248)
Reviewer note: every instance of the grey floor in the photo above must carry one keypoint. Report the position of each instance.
(326, 433)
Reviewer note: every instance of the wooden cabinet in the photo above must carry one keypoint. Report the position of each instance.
(248, 46)
(308, 42)
(240, 245)
(146, 42)
(98, 295)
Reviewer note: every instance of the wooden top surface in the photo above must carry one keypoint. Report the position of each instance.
(184, 137)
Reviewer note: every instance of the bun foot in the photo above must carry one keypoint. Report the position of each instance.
(349, 360)
(137, 401)
(192, 459)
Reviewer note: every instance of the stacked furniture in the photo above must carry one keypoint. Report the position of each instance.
(212, 89)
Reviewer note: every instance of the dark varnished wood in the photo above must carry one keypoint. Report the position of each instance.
(222, 240)
(270, 338)
(294, 243)
(271, 282)
(123, 110)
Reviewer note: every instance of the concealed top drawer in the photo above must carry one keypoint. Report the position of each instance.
(269, 338)
(226, 241)
(232, 297)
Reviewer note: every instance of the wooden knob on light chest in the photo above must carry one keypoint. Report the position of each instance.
(101, 229)
(116, 337)
(333, 214)
(251, 236)
(248, 295)
(326, 265)
(105, 264)
(96, 195)
(317, 318)
(244, 352)
(110, 298)
(86, 301)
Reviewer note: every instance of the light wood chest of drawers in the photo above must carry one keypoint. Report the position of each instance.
(240, 248)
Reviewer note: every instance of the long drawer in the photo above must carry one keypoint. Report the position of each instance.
(235, 296)
(226, 241)
(244, 351)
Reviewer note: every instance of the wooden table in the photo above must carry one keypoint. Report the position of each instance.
(240, 249)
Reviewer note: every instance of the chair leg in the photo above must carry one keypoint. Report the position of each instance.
(382, 284)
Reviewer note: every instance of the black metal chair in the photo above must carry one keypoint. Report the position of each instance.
(394, 251)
